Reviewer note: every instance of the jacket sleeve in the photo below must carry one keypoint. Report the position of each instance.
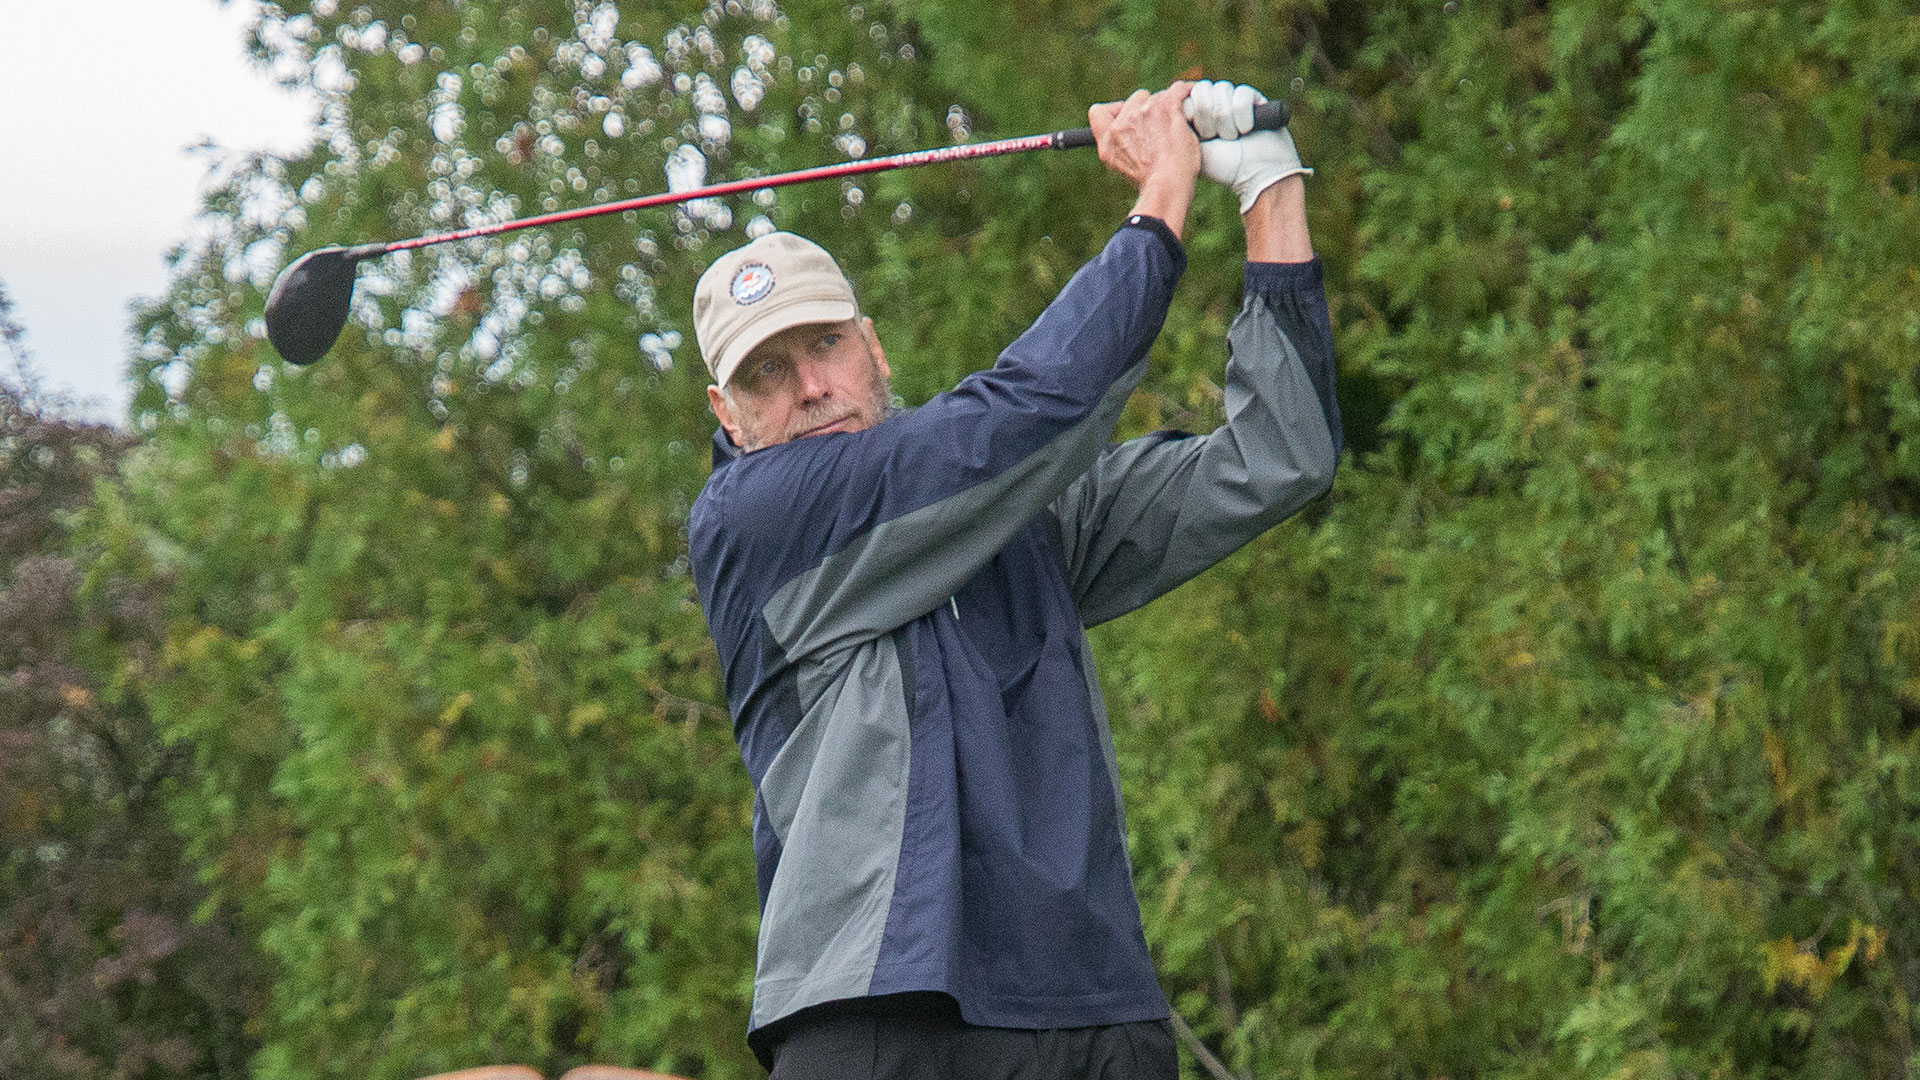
(1155, 511)
(836, 539)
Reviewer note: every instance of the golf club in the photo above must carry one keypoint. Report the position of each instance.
(308, 305)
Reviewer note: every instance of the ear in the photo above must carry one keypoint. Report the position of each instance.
(873, 346)
(718, 402)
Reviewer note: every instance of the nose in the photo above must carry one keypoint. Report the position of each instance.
(812, 379)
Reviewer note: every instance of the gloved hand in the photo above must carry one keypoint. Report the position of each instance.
(1231, 152)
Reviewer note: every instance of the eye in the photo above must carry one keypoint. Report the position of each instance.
(829, 340)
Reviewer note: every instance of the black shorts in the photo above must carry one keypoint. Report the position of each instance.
(921, 1037)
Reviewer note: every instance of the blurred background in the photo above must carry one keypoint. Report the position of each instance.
(360, 720)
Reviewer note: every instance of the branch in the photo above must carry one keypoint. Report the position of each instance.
(1205, 1056)
(1223, 985)
(695, 709)
(1223, 978)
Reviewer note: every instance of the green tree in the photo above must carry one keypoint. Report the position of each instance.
(1577, 737)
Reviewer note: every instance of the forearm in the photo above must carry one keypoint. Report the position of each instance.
(1293, 297)
(1168, 199)
(1277, 236)
(1147, 140)
(1161, 508)
(1277, 224)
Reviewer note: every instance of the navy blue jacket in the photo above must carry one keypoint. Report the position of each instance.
(899, 617)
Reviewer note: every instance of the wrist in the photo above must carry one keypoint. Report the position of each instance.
(1166, 196)
(1276, 223)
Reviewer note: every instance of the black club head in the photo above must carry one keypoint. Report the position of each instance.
(308, 305)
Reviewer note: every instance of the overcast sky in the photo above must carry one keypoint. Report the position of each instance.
(98, 105)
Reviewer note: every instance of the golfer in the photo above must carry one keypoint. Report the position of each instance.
(898, 599)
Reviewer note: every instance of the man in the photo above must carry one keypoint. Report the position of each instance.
(898, 601)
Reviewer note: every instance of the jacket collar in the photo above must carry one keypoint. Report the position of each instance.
(723, 448)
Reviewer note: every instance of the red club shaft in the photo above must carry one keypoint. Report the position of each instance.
(938, 155)
(1267, 116)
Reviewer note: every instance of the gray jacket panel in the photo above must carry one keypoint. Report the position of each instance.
(836, 796)
(1155, 511)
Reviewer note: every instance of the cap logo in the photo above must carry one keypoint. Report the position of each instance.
(751, 282)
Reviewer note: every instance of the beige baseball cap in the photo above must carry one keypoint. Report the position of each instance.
(752, 293)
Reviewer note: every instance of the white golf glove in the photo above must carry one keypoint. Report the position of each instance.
(1231, 152)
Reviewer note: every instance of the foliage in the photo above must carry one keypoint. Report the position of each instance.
(1574, 734)
(1577, 735)
(109, 963)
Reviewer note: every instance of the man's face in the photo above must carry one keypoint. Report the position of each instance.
(814, 379)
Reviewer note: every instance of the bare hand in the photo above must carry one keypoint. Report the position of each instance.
(1147, 137)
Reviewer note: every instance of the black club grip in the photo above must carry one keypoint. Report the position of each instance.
(1267, 116)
